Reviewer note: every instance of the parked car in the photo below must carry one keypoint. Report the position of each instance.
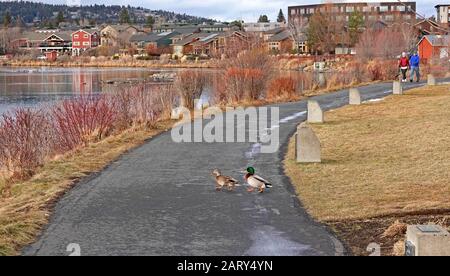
(42, 57)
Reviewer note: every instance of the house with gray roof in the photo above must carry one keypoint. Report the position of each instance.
(45, 40)
(156, 41)
(118, 35)
(185, 46)
(434, 47)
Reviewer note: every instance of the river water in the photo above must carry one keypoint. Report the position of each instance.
(30, 87)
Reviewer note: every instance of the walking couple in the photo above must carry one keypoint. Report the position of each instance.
(412, 63)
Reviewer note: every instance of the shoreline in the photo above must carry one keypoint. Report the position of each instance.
(108, 64)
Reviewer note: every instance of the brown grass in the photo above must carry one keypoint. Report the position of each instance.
(396, 229)
(381, 161)
(26, 210)
(384, 158)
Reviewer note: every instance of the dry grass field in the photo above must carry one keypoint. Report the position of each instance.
(381, 160)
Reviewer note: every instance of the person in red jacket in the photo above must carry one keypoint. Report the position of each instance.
(404, 66)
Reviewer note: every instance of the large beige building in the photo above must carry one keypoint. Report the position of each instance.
(443, 14)
(341, 11)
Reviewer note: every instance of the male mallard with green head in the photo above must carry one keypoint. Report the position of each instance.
(255, 182)
(224, 181)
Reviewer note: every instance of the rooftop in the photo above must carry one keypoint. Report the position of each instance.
(438, 40)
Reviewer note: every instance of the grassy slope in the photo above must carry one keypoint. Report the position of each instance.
(389, 158)
(26, 210)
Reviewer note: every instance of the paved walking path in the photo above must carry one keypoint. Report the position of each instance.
(159, 199)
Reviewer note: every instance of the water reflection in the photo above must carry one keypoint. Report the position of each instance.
(27, 87)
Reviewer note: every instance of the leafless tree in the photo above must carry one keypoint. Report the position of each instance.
(7, 37)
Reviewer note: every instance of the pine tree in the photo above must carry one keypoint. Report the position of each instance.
(124, 16)
(7, 19)
(263, 19)
(19, 22)
(60, 18)
(281, 18)
(355, 23)
(237, 23)
(150, 21)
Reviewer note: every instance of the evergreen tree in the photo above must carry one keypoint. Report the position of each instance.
(19, 22)
(237, 23)
(281, 18)
(124, 16)
(355, 24)
(263, 19)
(7, 19)
(150, 21)
(60, 18)
(319, 34)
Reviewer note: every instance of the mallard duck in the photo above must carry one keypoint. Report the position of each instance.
(255, 182)
(224, 181)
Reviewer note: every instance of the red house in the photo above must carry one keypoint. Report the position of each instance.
(434, 46)
(83, 40)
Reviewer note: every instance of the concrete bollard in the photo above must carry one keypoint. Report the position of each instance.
(307, 145)
(315, 113)
(397, 88)
(427, 240)
(354, 96)
(176, 113)
(431, 80)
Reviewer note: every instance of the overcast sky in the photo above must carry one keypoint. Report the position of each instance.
(227, 10)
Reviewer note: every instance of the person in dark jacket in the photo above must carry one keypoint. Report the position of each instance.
(404, 66)
(414, 62)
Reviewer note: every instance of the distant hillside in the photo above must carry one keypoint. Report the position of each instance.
(39, 13)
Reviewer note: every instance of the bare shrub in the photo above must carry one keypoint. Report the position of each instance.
(122, 102)
(387, 43)
(379, 69)
(336, 80)
(374, 70)
(82, 120)
(145, 107)
(283, 88)
(166, 97)
(219, 87)
(29, 137)
(247, 75)
(189, 85)
(25, 139)
(305, 82)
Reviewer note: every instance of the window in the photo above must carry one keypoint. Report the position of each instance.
(384, 8)
(366, 9)
(389, 18)
(85, 43)
(76, 43)
(401, 8)
(86, 36)
(350, 9)
(75, 36)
